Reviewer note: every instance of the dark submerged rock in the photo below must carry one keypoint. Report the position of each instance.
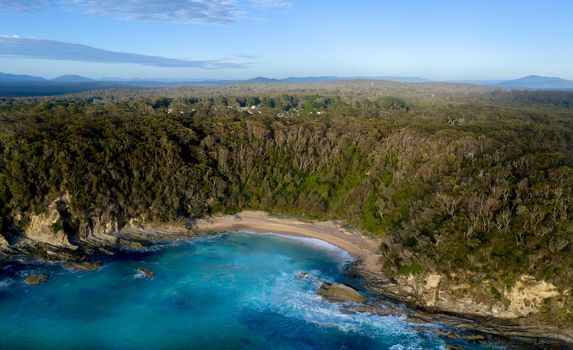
(36, 279)
(147, 273)
(85, 266)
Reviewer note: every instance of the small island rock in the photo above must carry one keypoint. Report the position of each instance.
(145, 272)
(36, 279)
(340, 293)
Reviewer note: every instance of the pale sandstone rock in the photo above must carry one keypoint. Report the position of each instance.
(3, 242)
(42, 229)
(524, 298)
(528, 294)
(431, 288)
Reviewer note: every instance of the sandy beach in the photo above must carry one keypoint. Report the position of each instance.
(360, 246)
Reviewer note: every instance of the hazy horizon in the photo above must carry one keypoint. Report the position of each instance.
(243, 39)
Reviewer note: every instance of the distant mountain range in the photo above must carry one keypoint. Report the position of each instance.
(27, 85)
(72, 79)
(537, 82)
(14, 78)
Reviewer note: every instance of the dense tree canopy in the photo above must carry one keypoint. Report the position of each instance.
(452, 180)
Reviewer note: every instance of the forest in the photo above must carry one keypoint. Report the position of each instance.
(451, 177)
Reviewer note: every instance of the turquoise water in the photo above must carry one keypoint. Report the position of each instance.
(229, 291)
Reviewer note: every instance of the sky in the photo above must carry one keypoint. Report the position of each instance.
(242, 39)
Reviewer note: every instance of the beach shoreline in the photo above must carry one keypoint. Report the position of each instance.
(365, 251)
(362, 248)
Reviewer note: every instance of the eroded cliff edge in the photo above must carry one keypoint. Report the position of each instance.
(526, 310)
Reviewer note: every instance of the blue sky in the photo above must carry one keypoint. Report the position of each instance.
(236, 39)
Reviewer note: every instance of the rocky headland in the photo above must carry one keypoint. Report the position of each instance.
(455, 299)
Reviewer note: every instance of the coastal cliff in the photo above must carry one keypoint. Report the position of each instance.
(516, 311)
(467, 198)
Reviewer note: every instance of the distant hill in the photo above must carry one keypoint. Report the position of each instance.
(15, 78)
(402, 79)
(12, 85)
(537, 82)
(69, 78)
(335, 78)
(257, 80)
(6, 78)
(476, 82)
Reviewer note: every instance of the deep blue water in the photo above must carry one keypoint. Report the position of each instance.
(229, 291)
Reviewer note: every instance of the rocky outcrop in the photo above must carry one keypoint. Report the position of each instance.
(338, 292)
(98, 231)
(146, 273)
(436, 292)
(528, 295)
(480, 305)
(84, 266)
(36, 279)
(48, 228)
(3, 242)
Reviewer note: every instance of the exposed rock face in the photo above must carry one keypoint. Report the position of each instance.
(3, 242)
(99, 229)
(340, 293)
(527, 295)
(50, 227)
(36, 279)
(437, 292)
(47, 228)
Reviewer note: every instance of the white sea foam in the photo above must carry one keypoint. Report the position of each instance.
(5, 283)
(291, 299)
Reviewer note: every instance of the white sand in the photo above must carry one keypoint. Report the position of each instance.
(358, 245)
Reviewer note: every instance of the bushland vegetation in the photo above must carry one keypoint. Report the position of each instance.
(453, 178)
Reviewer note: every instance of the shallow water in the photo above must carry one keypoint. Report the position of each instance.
(229, 291)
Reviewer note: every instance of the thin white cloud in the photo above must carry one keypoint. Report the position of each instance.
(176, 11)
(26, 5)
(19, 47)
(271, 4)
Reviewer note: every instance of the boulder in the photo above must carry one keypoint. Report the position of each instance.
(338, 292)
(36, 279)
(85, 266)
(145, 272)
